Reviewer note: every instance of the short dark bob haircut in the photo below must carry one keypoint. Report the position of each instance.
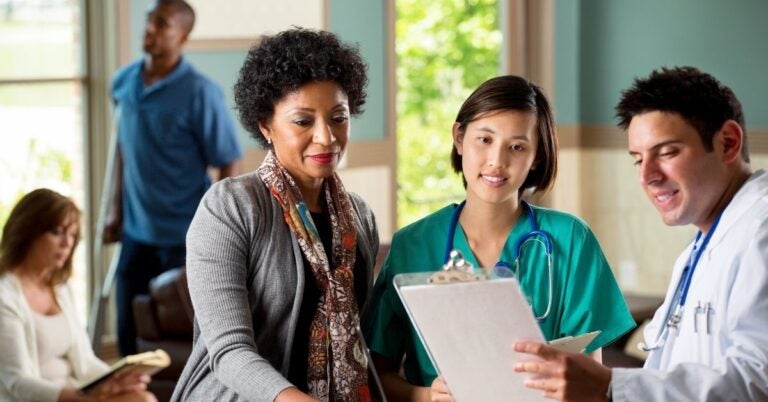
(38, 212)
(699, 98)
(510, 92)
(282, 63)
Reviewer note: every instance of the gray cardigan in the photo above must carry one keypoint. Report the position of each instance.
(246, 279)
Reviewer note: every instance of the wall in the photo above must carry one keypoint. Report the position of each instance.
(601, 46)
(371, 153)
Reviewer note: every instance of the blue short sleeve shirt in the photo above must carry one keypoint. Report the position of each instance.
(169, 133)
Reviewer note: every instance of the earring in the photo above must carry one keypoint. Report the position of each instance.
(269, 141)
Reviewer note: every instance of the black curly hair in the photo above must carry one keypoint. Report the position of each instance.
(282, 63)
(699, 98)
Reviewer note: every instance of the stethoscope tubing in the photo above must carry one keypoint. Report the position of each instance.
(535, 233)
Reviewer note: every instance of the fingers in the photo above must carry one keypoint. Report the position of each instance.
(439, 385)
(537, 349)
(439, 391)
(544, 384)
(125, 383)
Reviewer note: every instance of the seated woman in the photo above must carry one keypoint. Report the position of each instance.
(280, 260)
(44, 351)
(503, 145)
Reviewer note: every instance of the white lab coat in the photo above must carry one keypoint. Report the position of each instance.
(730, 363)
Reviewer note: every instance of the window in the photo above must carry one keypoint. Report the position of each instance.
(42, 107)
(444, 50)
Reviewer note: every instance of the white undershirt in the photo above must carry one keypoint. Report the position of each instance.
(54, 340)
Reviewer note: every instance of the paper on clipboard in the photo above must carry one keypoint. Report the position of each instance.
(468, 330)
(574, 344)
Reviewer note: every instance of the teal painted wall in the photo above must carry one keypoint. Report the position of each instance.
(364, 22)
(223, 67)
(566, 57)
(360, 22)
(614, 41)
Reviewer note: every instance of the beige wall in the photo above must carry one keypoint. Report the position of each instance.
(598, 182)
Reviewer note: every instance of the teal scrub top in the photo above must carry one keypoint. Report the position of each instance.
(585, 295)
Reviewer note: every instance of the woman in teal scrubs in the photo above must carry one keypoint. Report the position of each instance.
(504, 144)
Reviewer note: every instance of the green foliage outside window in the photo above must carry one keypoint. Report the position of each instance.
(42, 162)
(445, 48)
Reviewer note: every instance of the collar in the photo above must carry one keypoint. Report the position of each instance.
(182, 67)
(752, 191)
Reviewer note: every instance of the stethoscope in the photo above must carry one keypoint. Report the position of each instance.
(502, 268)
(681, 291)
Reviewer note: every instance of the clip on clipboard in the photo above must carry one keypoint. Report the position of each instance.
(468, 321)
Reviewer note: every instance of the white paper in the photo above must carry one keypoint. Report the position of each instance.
(574, 344)
(468, 329)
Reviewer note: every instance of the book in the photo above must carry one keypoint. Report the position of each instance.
(146, 363)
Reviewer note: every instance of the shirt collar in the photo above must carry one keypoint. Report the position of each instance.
(182, 67)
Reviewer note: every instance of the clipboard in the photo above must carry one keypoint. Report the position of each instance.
(467, 322)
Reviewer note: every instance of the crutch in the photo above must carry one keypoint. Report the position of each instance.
(100, 298)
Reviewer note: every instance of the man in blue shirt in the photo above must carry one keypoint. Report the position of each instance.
(173, 125)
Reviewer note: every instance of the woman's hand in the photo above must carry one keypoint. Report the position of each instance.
(120, 384)
(439, 392)
(293, 394)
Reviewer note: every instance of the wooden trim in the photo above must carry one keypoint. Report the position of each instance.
(52, 80)
(757, 141)
(611, 137)
(591, 137)
(540, 45)
(326, 17)
(391, 126)
(358, 154)
(101, 58)
(370, 153)
(513, 26)
(569, 137)
(220, 44)
(599, 136)
(123, 23)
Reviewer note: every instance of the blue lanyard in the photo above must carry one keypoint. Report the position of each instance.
(693, 259)
(455, 221)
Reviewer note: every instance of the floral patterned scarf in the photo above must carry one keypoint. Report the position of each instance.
(337, 369)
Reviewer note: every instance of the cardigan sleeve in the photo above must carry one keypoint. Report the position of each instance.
(17, 373)
(218, 245)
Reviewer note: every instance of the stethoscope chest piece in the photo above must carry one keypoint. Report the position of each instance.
(455, 265)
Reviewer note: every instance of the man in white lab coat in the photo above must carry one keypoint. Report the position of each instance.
(709, 340)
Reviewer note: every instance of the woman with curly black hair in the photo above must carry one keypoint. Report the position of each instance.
(280, 260)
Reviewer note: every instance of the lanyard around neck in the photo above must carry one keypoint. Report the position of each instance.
(693, 259)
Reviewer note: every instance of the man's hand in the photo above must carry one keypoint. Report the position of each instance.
(112, 230)
(564, 376)
(439, 392)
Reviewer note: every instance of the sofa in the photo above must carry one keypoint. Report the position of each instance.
(164, 320)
